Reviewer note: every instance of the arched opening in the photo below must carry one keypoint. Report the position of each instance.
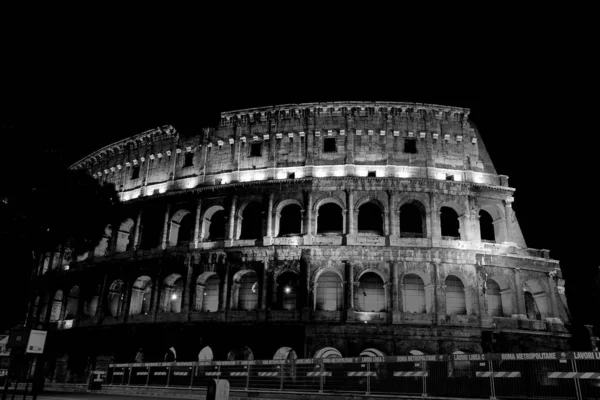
(285, 353)
(412, 220)
(370, 295)
(206, 354)
(90, 306)
(244, 353)
(57, 304)
(172, 293)
(455, 296)
(370, 219)
(330, 221)
(290, 222)
(182, 228)
(486, 226)
(450, 224)
(141, 296)
(493, 298)
(216, 230)
(531, 308)
(116, 298)
(287, 290)
(329, 292)
(414, 294)
(248, 297)
(102, 247)
(371, 352)
(151, 229)
(72, 303)
(207, 292)
(252, 225)
(125, 236)
(328, 352)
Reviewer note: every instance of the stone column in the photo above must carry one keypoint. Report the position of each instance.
(270, 218)
(136, 233)
(436, 227)
(554, 313)
(394, 289)
(165, 230)
(154, 295)
(392, 231)
(386, 222)
(350, 285)
(264, 284)
(197, 224)
(101, 298)
(520, 298)
(225, 288)
(124, 312)
(235, 296)
(508, 211)
(350, 207)
(187, 287)
(388, 295)
(231, 234)
(308, 214)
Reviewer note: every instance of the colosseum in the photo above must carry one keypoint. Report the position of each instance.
(309, 230)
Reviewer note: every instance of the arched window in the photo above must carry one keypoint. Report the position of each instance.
(329, 292)
(248, 297)
(287, 289)
(493, 298)
(182, 228)
(151, 229)
(370, 295)
(141, 296)
(330, 221)
(217, 226)
(57, 304)
(210, 302)
(486, 226)
(116, 297)
(414, 294)
(370, 219)
(252, 222)
(172, 293)
(72, 303)
(125, 236)
(90, 306)
(531, 308)
(455, 296)
(412, 220)
(450, 224)
(290, 222)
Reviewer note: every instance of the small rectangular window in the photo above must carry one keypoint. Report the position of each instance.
(291, 175)
(410, 146)
(449, 177)
(255, 149)
(372, 174)
(329, 145)
(189, 160)
(135, 172)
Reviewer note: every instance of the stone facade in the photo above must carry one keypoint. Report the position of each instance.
(351, 226)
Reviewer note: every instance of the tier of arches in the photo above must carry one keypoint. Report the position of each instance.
(246, 290)
(254, 220)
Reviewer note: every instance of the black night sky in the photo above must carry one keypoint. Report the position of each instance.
(527, 97)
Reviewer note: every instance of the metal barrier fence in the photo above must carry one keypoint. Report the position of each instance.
(566, 375)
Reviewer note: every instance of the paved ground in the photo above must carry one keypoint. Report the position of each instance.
(86, 396)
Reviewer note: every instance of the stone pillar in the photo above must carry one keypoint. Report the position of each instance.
(225, 289)
(520, 298)
(197, 224)
(165, 229)
(554, 311)
(386, 222)
(350, 285)
(436, 227)
(231, 234)
(102, 298)
(264, 284)
(508, 211)
(309, 214)
(394, 288)
(270, 218)
(350, 207)
(136, 233)
(392, 224)
(235, 296)
(388, 295)
(187, 287)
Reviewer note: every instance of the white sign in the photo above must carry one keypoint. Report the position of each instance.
(4, 351)
(36, 342)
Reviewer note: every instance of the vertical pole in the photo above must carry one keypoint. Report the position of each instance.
(577, 386)
(26, 380)
(168, 375)
(129, 376)
(281, 377)
(492, 387)
(193, 370)
(425, 369)
(148, 376)
(368, 378)
(248, 367)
